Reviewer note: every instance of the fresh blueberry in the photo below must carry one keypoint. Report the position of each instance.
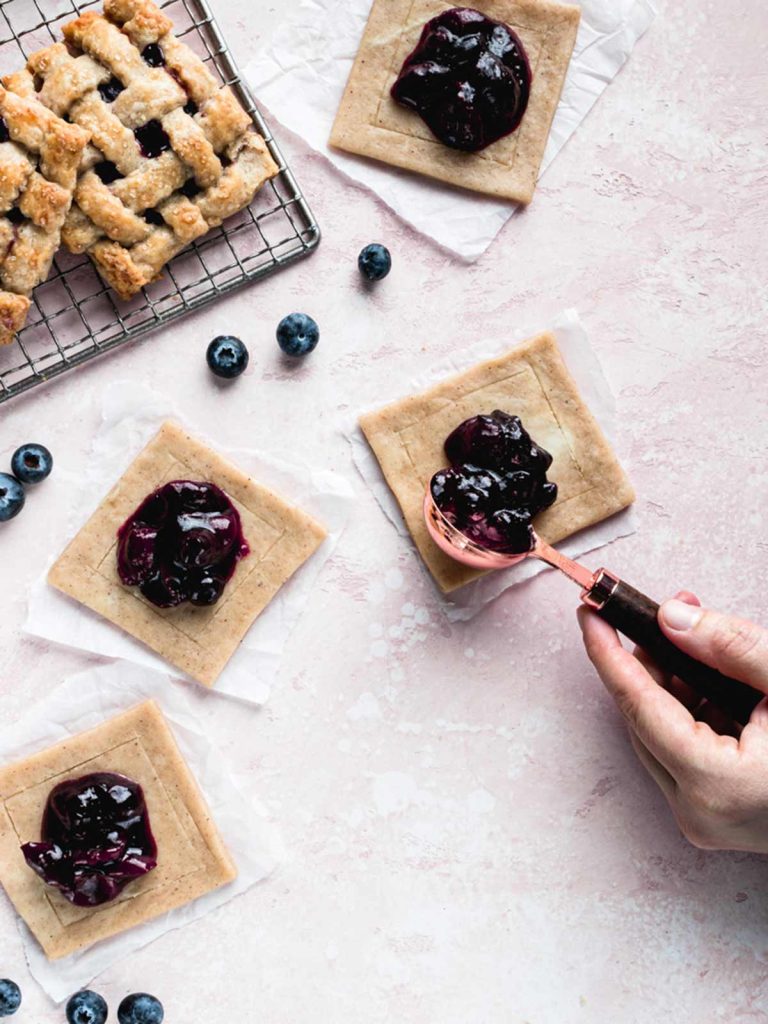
(140, 1008)
(10, 997)
(227, 356)
(11, 497)
(31, 463)
(297, 334)
(87, 1007)
(375, 262)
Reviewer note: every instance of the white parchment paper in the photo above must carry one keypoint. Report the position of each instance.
(300, 71)
(580, 358)
(131, 414)
(86, 700)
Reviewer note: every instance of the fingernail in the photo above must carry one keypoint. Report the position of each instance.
(679, 615)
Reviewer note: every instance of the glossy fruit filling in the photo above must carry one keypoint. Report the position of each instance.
(152, 139)
(469, 79)
(181, 544)
(96, 838)
(496, 483)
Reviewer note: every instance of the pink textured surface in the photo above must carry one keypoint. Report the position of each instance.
(468, 835)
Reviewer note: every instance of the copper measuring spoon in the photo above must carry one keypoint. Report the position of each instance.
(626, 609)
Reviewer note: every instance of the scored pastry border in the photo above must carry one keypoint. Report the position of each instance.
(591, 457)
(550, 28)
(48, 892)
(541, 34)
(203, 654)
(145, 724)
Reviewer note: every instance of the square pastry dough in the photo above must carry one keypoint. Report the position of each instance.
(199, 641)
(531, 382)
(192, 859)
(370, 123)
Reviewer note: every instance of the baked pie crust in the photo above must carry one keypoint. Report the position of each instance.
(532, 382)
(370, 123)
(133, 212)
(192, 858)
(38, 172)
(199, 641)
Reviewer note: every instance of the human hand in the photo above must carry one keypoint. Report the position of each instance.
(713, 773)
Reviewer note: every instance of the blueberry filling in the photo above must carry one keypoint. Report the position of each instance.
(107, 171)
(181, 544)
(152, 139)
(468, 78)
(109, 91)
(191, 108)
(190, 188)
(4, 133)
(496, 483)
(96, 838)
(153, 55)
(15, 216)
(153, 217)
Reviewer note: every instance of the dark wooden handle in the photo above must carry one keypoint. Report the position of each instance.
(634, 615)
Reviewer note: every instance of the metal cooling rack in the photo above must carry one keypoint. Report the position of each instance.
(74, 317)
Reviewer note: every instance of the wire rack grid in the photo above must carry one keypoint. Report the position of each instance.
(74, 317)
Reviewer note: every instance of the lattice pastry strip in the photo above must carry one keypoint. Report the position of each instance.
(172, 152)
(39, 158)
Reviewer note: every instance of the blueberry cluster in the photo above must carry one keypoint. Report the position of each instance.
(181, 544)
(496, 483)
(96, 838)
(87, 1007)
(30, 464)
(297, 333)
(468, 79)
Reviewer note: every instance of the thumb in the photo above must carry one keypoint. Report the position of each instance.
(735, 647)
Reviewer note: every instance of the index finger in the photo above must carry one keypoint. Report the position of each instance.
(661, 722)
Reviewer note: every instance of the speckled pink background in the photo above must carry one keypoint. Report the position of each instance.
(469, 839)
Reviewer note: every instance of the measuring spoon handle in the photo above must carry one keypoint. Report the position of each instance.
(635, 615)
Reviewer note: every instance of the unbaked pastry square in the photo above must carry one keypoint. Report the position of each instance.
(192, 859)
(199, 641)
(532, 382)
(370, 123)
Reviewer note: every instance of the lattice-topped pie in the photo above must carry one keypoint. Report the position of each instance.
(39, 157)
(172, 152)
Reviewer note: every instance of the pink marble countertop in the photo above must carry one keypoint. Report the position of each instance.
(468, 837)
